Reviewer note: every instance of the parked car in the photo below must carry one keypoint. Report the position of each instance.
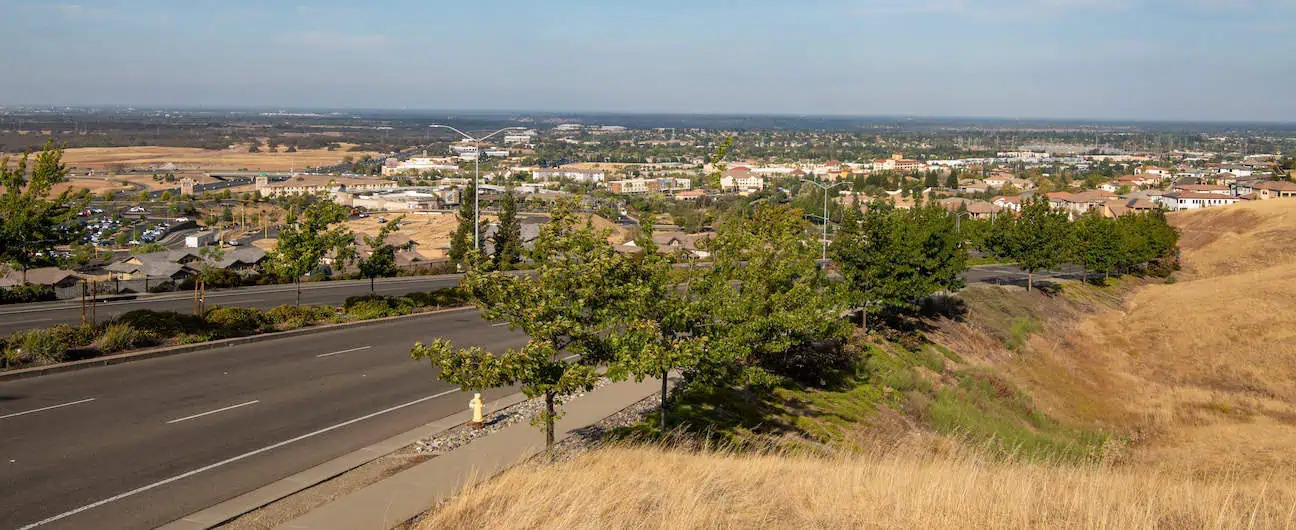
(182, 219)
(233, 243)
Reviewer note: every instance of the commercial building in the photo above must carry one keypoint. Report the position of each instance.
(638, 186)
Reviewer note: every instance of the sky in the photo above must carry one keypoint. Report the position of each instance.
(1222, 60)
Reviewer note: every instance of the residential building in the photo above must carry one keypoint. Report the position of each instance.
(1203, 188)
(291, 188)
(1078, 204)
(1279, 189)
(1119, 207)
(1006, 203)
(974, 208)
(1187, 200)
(52, 276)
(690, 195)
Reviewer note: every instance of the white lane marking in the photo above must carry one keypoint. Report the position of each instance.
(500, 324)
(86, 400)
(30, 321)
(230, 460)
(344, 351)
(231, 407)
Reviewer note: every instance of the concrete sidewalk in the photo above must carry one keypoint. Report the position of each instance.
(411, 492)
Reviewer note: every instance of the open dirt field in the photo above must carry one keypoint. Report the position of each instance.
(192, 158)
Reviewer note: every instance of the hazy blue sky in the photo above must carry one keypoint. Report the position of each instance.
(1143, 59)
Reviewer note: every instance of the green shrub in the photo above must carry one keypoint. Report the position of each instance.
(164, 323)
(117, 337)
(188, 338)
(236, 321)
(37, 346)
(370, 309)
(1171, 279)
(26, 294)
(293, 317)
(164, 287)
(73, 336)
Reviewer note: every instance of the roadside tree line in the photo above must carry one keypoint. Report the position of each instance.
(763, 311)
(1042, 238)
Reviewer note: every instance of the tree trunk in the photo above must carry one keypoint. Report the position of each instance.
(298, 282)
(24, 274)
(663, 401)
(371, 285)
(549, 420)
(1030, 280)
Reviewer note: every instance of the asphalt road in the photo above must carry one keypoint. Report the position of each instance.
(23, 316)
(142, 444)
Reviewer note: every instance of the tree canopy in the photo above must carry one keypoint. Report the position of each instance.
(32, 219)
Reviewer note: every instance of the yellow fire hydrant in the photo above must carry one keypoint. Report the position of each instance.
(476, 406)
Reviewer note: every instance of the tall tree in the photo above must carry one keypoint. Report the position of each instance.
(1039, 238)
(381, 260)
(507, 239)
(891, 259)
(768, 301)
(461, 240)
(305, 239)
(567, 308)
(1096, 244)
(32, 220)
(663, 327)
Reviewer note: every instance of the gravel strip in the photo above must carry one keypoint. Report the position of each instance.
(494, 421)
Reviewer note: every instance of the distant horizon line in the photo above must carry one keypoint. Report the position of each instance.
(322, 109)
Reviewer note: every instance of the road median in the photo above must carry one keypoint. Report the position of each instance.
(166, 351)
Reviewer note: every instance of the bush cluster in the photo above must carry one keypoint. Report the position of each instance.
(144, 327)
(26, 294)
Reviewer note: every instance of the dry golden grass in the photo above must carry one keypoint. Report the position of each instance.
(193, 158)
(1197, 379)
(1201, 372)
(656, 488)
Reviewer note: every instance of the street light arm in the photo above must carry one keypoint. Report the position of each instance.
(482, 139)
(470, 137)
(464, 134)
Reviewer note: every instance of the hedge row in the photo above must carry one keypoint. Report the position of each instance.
(144, 328)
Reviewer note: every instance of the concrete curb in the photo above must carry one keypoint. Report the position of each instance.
(211, 345)
(248, 502)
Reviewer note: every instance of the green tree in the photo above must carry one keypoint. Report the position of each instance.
(932, 180)
(32, 219)
(566, 308)
(770, 306)
(306, 238)
(381, 260)
(227, 215)
(891, 259)
(662, 326)
(952, 181)
(142, 197)
(166, 196)
(507, 239)
(1096, 244)
(1039, 238)
(462, 240)
(147, 248)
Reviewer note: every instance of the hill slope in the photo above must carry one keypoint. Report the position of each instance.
(1194, 380)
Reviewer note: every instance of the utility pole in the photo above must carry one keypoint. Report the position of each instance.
(476, 175)
(825, 189)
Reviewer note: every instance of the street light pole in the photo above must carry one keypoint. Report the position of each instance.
(476, 174)
(825, 215)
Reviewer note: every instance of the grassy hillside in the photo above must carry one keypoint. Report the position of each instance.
(1161, 405)
(648, 487)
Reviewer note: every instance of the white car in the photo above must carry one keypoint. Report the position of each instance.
(233, 243)
(182, 220)
(137, 209)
